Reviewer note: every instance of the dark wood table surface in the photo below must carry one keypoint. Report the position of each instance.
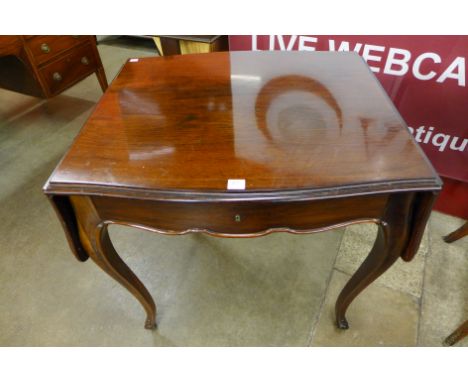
(243, 144)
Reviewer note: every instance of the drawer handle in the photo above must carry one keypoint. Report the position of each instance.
(76, 37)
(57, 77)
(84, 60)
(45, 48)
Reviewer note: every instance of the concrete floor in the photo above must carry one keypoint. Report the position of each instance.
(276, 290)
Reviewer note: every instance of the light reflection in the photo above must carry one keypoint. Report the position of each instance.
(245, 77)
(302, 114)
(131, 100)
(283, 84)
(147, 155)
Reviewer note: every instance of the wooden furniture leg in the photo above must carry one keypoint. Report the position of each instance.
(457, 234)
(391, 241)
(460, 333)
(101, 76)
(95, 239)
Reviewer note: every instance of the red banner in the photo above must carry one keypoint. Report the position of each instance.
(425, 76)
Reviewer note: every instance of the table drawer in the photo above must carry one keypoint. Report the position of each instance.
(45, 48)
(64, 72)
(240, 218)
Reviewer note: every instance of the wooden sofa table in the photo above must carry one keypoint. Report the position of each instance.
(244, 144)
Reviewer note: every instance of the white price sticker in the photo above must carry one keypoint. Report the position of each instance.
(236, 184)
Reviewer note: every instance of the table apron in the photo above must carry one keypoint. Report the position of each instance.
(245, 218)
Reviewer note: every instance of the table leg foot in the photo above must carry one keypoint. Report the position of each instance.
(342, 323)
(150, 323)
(391, 238)
(460, 333)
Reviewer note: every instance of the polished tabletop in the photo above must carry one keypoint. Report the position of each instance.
(281, 121)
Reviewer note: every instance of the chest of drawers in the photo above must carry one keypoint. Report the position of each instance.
(45, 66)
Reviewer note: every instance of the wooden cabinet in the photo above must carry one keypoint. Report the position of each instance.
(45, 66)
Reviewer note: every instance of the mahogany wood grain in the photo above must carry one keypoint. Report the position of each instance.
(237, 219)
(158, 123)
(314, 136)
(10, 45)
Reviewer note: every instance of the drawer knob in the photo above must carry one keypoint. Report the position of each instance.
(84, 60)
(45, 48)
(57, 77)
(237, 218)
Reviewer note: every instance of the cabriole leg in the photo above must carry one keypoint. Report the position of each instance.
(95, 238)
(391, 239)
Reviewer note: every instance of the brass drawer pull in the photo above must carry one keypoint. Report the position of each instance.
(76, 37)
(237, 218)
(84, 60)
(45, 48)
(57, 77)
